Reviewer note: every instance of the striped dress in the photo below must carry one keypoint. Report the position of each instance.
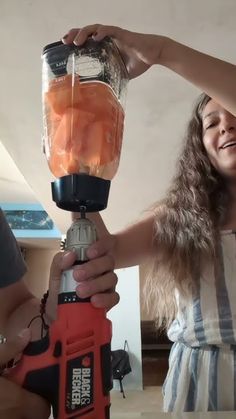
(202, 363)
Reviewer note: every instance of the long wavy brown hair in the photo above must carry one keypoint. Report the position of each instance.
(187, 223)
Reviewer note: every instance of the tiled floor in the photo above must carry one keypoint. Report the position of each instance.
(148, 400)
(155, 366)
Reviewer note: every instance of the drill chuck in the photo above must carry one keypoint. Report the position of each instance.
(80, 236)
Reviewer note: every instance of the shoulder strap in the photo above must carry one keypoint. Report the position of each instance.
(126, 345)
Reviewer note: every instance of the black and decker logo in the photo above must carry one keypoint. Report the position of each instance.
(81, 387)
(80, 383)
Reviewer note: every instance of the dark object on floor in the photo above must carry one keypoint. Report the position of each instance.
(120, 365)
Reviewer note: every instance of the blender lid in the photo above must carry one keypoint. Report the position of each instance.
(53, 45)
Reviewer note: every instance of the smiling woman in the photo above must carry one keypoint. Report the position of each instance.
(219, 138)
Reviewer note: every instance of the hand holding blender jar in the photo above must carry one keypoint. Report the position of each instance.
(83, 98)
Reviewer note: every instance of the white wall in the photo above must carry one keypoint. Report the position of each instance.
(125, 319)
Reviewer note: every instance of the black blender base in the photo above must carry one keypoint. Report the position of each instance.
(81, 190)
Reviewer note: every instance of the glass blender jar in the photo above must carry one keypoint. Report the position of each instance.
(84, 91)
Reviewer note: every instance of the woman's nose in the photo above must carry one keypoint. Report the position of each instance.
(228, 124)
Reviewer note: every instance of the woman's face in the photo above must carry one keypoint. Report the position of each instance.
(219, 138)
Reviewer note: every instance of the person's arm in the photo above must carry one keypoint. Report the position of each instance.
(15, 402)
(17, 307)
(13, 291)
(24, 306)
(141, 51)
(212, 75)
(134, 244)
(130, 246)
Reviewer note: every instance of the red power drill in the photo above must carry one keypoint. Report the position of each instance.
(71, 365)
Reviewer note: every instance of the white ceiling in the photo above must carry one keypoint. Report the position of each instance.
(158, 103)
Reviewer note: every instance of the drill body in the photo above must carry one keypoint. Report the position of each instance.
(71, 365)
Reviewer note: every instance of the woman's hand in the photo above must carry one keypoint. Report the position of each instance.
(15, 402)
(139, 51)
(95, 278)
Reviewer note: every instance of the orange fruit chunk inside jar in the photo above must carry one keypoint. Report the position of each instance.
(84, 128)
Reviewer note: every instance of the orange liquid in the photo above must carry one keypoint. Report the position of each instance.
(84, 128)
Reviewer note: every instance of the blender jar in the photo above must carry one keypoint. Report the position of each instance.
(83, 108)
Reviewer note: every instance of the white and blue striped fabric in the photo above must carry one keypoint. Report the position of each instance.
(202, 364)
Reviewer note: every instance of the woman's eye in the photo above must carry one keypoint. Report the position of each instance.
(211, 125)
